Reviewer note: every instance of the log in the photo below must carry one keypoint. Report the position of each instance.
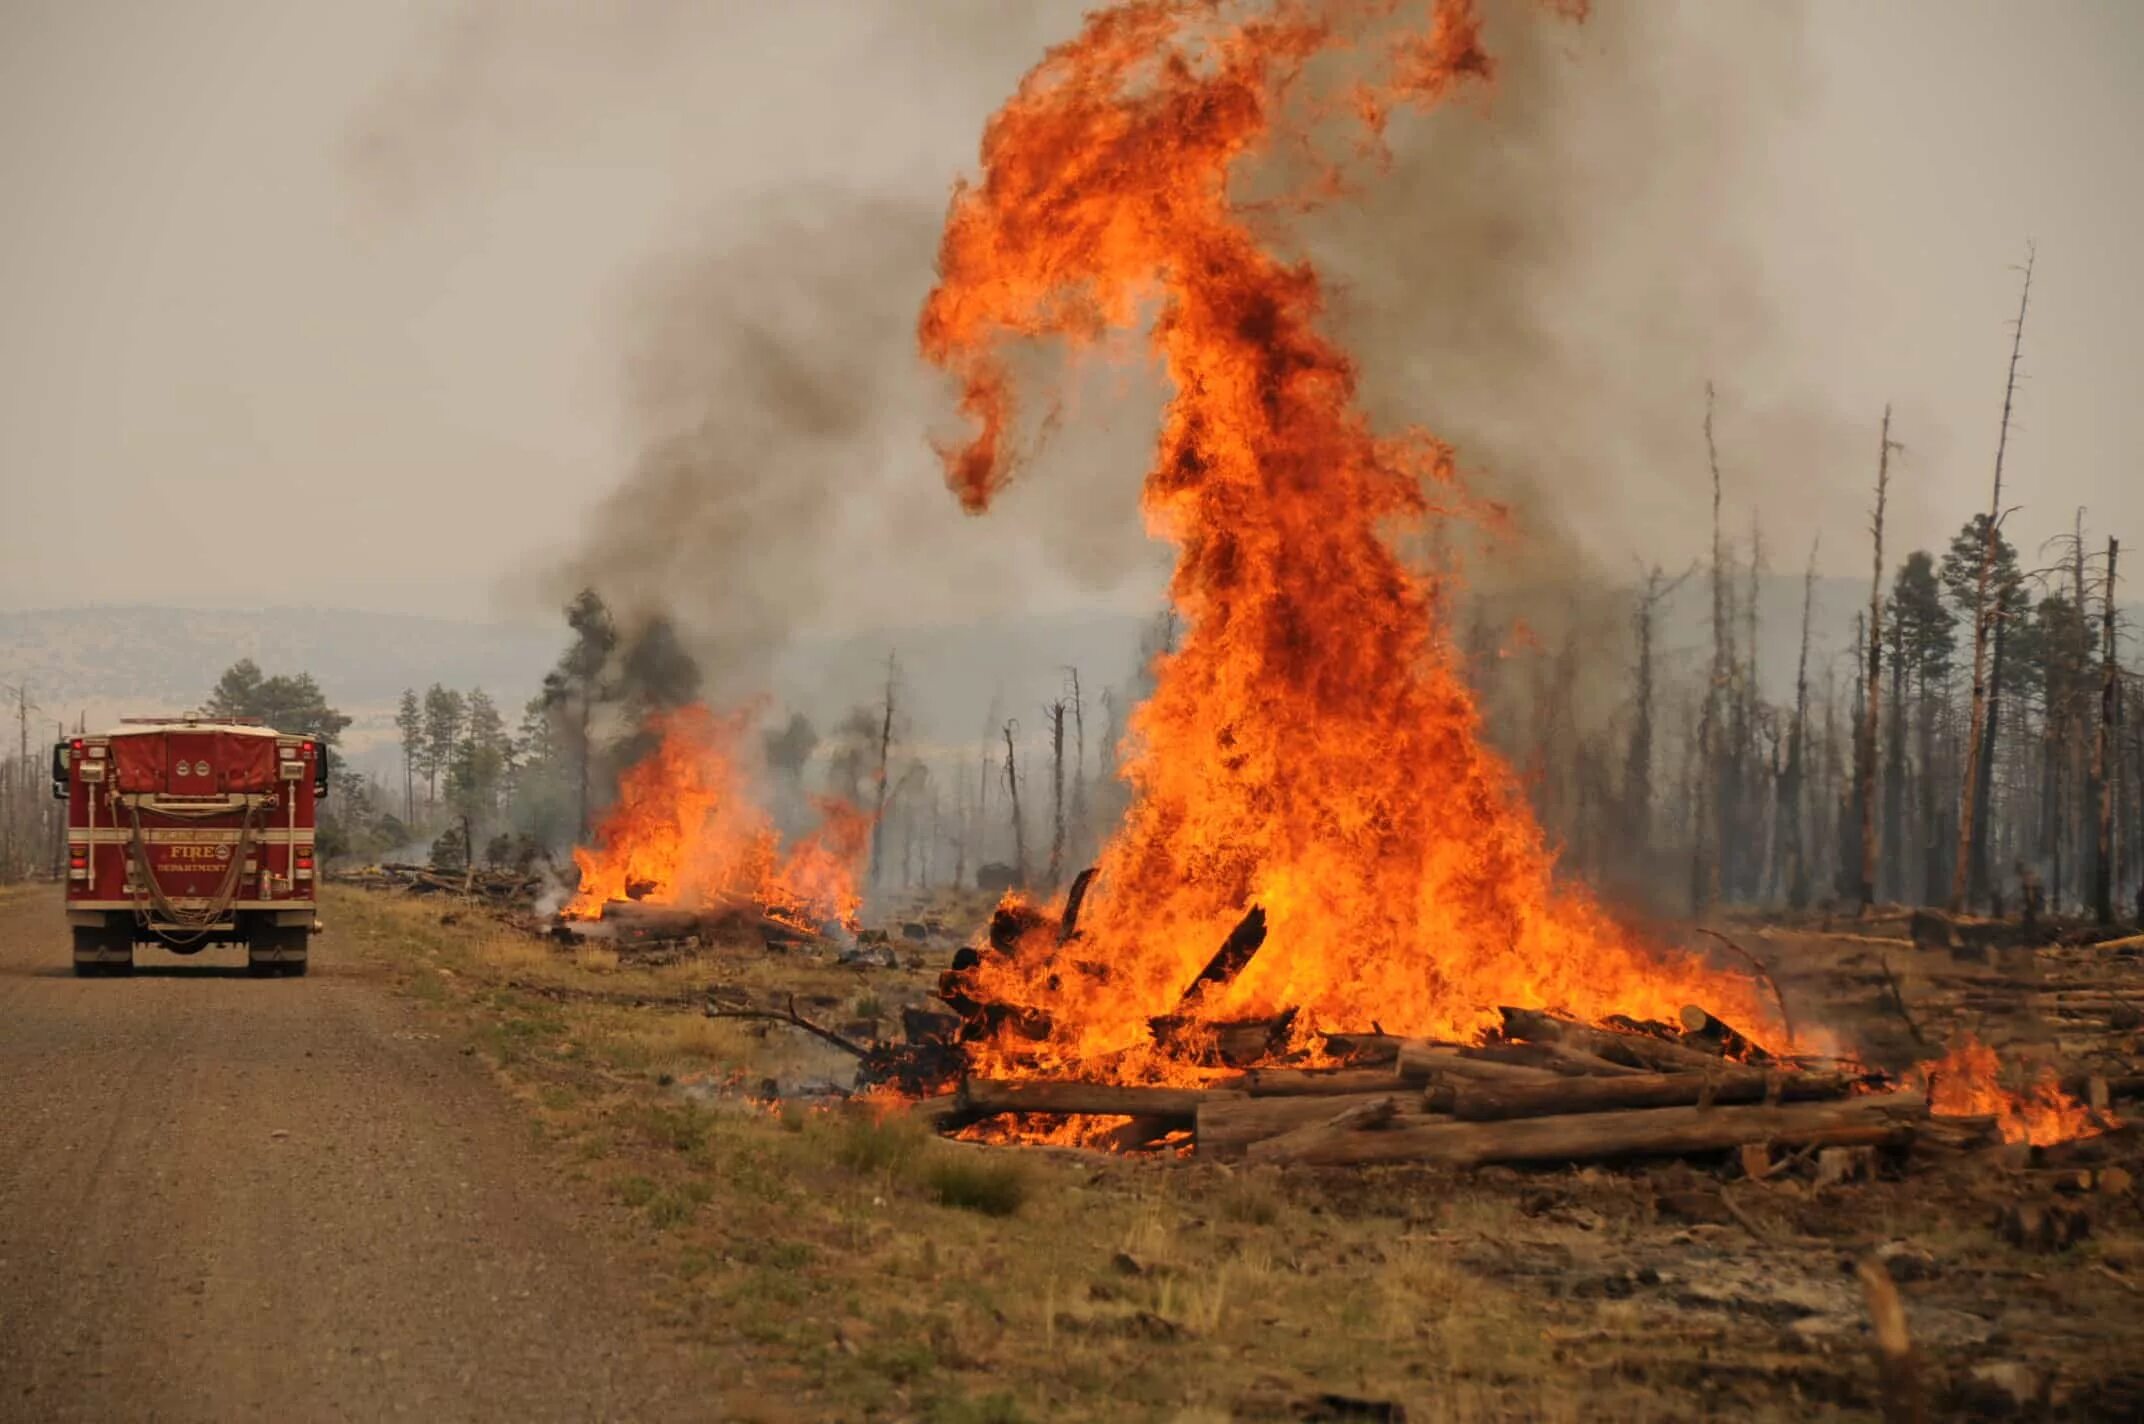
(1074, 898)
(1489, 1102)
(1236, 1042)
(1228, 961)
(1421, 1060)
(1362, 1050)
(1558, 1058)
(1884, 1120)
(1708, 1033)
(1317, 1082)
(1226, 1125)
(984, 1096)
(1635, 1050)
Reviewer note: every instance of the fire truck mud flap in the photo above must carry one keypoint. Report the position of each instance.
(276, 942)
(103, 944)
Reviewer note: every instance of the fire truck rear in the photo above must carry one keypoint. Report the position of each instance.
(188, 832)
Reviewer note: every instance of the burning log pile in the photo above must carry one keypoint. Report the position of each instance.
(1539, 1088)
(1547, 1089)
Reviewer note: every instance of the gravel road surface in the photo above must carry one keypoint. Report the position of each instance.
(226, 1198)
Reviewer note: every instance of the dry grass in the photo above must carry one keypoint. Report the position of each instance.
(868, 1271)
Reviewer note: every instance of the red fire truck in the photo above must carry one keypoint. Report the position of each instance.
(188, 832)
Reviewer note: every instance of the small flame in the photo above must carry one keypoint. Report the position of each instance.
(686, 831)
(1967, 1082)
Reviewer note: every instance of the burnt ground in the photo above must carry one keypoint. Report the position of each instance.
(834, 1264)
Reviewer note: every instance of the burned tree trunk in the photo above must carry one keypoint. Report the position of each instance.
(1079, 767)
(1972, 800)
(1012, 786)
(1704, 852)
(1865, 745)
(1787, 810)
(1638, 758)
(1056, 712)
(2110, 702)
(882, 788)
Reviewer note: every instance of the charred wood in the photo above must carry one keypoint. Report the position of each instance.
(1229, 960)
(1074, 898)
(1035, 1095)
(1874, 1121)
(1486, 1102)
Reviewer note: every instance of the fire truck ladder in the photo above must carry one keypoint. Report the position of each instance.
(199, 919)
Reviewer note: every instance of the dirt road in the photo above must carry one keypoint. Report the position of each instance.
(230, 1198)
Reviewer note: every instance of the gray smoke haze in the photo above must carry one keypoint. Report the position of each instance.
(1545, 277)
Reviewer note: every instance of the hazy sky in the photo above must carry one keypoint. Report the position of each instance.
(333, 302)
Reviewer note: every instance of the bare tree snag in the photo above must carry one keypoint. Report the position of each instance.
(2110, 704)
(1865, 742)
(1056, 714)
(1970, 808)
(882, 788)
(1704, 863)
(1019, 827)
(1788, 809)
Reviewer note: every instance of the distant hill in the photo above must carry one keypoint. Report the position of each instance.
(105, 663)
(957, 681)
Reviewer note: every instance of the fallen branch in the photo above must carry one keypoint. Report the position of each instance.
(1786, 1020)
(1898, 1001)
(789, 1015)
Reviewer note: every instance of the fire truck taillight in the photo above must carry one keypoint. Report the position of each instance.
(305, 864)
(77, 862)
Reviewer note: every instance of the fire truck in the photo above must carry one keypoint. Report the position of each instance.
(189, 832)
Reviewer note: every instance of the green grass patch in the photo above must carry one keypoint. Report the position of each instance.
(867, 1146)
(992, 1186)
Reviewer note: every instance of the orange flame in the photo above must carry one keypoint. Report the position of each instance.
(1312, 747)
(686, 831)
(1967, 1082)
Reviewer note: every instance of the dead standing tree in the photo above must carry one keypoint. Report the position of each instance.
(883, 789)
(1704, 852)
(2110, 702)
(1056, 713)
(1079, 769)
(1787, 810)
(1865, 738)
(1012, 786)
(1971, 802)
(1638, 759)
